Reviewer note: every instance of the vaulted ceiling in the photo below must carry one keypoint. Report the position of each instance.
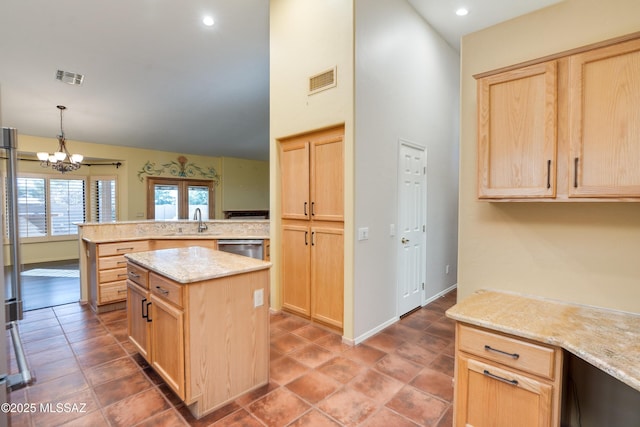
(156, 77)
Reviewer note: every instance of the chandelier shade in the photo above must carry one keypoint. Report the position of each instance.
(60, 160)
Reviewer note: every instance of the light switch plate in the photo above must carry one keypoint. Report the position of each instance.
(363, 233)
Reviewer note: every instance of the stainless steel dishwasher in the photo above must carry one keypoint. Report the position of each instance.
(251, 248)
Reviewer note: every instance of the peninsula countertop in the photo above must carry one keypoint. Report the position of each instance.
(607, 339)
(195, 263)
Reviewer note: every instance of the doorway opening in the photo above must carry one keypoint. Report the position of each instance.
(50, 284)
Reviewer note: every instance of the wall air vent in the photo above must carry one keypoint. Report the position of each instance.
(325, 80)
(69, 77)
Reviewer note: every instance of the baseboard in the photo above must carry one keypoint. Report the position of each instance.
(373, 331)
(440, 294)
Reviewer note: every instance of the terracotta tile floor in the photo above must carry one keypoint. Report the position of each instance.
(400, 377)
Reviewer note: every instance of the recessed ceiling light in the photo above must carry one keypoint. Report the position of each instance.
(208, 21)
(462, 11)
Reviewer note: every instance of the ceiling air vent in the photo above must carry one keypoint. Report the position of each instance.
(69, 77)
(322, 81)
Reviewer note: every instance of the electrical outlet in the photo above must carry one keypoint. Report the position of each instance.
(258, 298)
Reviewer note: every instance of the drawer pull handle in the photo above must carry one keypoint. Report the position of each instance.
(489, 348)
(162, 291)
(121, 262)
(122, 274)
(122, 291)
(124, 249)
(134, 275)
(499, 378)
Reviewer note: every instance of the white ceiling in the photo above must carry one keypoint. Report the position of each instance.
(156, 77)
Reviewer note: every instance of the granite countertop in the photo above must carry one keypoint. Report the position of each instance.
(195, 263)
(176, 236)
(113, 232)
(607, 339)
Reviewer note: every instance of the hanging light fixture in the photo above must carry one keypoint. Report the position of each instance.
(61, 160)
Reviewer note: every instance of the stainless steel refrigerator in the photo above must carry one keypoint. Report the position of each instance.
(11, 310)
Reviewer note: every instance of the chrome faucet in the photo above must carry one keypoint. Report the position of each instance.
(197, 215)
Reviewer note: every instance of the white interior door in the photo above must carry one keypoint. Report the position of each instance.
(412, 199)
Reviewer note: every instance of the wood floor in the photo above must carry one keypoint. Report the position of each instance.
(50, 284)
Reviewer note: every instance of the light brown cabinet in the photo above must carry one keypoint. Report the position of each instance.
(138, 303)
(312, 280)
(108, 272)
(502, 381)
(562, 129)
(312, 174)
(517, 133)
(183, 332)
(108, 267)
(604, 118)
(312, 171)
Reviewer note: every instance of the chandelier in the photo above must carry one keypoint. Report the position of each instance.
(61, 160)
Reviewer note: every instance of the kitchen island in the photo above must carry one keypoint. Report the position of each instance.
(200, 318)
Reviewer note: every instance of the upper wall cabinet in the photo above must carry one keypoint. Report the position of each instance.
(563, 128)
(312, 178)
(517, 133)
(604, 117)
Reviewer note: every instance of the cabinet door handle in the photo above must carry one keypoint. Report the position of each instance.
(548, 174)
(144, 316)
(313, 240)
(306, 243)
(162, 291)
(575, 172)
(313, 208)
(495, 350)
(499, 378)
(305, 208)
(148, 317)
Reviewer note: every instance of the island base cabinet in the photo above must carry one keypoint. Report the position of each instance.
(167, 335)
(137, 318)
(208, 340)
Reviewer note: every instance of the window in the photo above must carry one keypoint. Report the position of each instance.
(103, 199)
(50, 207)
(171, 199)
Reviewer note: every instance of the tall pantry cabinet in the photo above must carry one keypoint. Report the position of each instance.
(312, 182)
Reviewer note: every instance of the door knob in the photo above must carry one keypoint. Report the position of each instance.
(405, 240)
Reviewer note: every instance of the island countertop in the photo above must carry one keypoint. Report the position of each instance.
(195, 263)
(607, 339)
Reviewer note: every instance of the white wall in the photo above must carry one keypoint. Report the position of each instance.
(406, 87)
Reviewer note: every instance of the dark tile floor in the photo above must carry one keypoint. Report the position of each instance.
(400, 377)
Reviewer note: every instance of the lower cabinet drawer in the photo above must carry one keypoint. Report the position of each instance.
(116, 291)
(106, 276)
(166, 289)
(509, 351)
(110, 262)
